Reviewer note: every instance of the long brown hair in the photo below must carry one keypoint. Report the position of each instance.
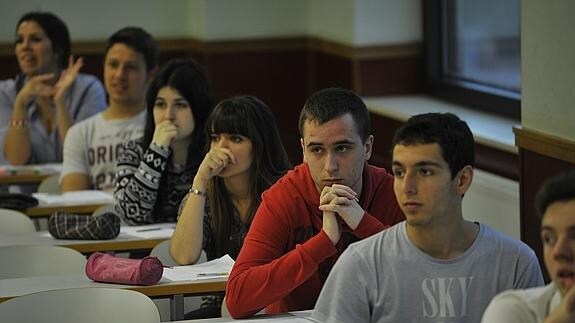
(250, 117)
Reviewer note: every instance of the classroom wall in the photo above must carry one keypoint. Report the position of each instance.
(351, 22)
(546, 139)
(493, 200)
(548, 67)
(387, 22)
(96, 20)
(225, 19)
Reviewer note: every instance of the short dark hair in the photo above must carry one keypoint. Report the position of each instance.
(55, 30)
(332, 103)
(446, 129)
(189, 79)
(139, 40)
(559, 188)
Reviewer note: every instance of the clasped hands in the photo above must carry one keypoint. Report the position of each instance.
(339, 201)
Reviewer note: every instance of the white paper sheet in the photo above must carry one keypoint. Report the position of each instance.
(74, 198)
(159, 230)
(216, 268)
(48, 168)
(292, 317)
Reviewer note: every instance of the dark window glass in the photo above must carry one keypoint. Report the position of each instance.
(473, 53)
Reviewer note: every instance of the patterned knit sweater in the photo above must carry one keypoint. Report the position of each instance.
(148, 189)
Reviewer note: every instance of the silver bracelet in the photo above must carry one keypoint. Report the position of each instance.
(197, 192)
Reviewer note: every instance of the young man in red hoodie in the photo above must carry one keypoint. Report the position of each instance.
(314, 212)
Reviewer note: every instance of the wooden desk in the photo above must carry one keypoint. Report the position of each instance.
(124, 242)
(43, 211)
(79, 202)
(10, 288)
(27, 174)
(22, 178)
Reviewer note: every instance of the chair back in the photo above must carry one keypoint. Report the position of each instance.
(27, 261)
(191, 303)
(12, 221)
(162, 251)
(85, 305)
(224, 312)
(50, 184)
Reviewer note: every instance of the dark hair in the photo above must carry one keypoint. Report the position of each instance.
(139, 40)
(560, 188)
(189, 79)
(250, 117)
(446, 129)
(332, 103)
(55, 29)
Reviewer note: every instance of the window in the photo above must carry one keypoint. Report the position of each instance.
(473, 53)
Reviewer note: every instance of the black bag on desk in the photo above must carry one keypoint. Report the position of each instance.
(84, 227)
(16, 201)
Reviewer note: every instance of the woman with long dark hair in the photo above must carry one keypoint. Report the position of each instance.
(153, 173)
(245, 157)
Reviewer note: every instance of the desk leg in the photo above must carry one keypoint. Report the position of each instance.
(177, 307)
(37, 224)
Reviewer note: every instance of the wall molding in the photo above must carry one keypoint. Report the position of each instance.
(283, 71)
(370, 52)
(545, 144)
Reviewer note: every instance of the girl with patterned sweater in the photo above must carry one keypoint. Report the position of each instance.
(153, 173)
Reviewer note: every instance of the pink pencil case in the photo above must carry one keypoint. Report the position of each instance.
(102, 267)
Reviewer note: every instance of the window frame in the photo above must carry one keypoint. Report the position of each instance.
(477, 96)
